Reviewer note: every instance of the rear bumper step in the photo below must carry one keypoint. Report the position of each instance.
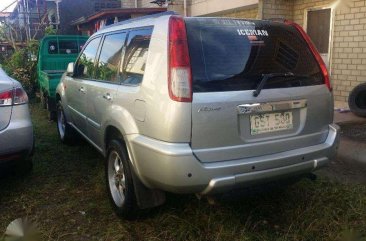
(173, 167)
(221, 184)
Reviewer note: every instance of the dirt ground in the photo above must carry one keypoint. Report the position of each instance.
(350, 164)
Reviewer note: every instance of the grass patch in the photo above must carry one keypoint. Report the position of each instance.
(68, 181)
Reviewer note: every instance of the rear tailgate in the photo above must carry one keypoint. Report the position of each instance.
(228, 58)
(6, 84)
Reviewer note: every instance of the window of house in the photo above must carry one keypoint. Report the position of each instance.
(136, 55)
(85, 67)
(110, 57)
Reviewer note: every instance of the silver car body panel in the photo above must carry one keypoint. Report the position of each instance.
(174, 167)
(223, 132)
(203, 146)
(16, 130)
(18, 136)
(6, 83)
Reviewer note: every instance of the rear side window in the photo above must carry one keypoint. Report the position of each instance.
(84, 67)
(109, 63)
(68, 47)
(136, 55)
(65, 46)
(228, 55)
(53, 47)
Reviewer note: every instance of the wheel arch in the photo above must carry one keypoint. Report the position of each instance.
(145, 197)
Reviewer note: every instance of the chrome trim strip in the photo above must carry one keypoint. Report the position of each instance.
(93, 124)
(87, 138)
(271, 106)
(76, 112)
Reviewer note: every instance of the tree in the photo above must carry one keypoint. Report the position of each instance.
(8, 34)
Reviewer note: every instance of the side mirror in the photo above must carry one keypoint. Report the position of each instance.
(70, 69)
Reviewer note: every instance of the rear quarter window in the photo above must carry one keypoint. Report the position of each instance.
(137, 49)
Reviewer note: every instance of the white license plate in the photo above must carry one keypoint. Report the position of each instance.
(270, 122)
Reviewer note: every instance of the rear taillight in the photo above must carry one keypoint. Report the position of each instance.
(20, 96)
(15, 96)
(6, 98)
(180, 75)
(314, 51)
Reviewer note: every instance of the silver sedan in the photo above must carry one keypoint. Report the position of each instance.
(16, 130)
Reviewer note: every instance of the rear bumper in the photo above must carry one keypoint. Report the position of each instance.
(17, 141)
(173, 167)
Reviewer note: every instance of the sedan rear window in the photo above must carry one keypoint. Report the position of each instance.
(229, 54)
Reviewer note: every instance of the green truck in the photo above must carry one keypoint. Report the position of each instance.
(55, 53)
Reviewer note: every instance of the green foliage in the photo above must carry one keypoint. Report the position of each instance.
(22, 67)
(49, 30)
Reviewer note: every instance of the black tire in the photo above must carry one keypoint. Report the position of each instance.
(52, 115)
(119, 182)
(357, 100)
(65, 132)
(43, 100)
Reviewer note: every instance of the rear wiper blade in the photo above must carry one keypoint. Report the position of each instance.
(266, 77)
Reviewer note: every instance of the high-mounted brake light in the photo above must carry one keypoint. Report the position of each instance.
(15, 96)
(179, 73)
(314, 51)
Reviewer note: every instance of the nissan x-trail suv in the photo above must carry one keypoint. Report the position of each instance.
(198, 105)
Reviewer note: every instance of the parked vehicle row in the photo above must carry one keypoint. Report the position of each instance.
(54, 54)
(198, 105)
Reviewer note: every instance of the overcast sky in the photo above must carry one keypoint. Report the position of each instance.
(5, 3)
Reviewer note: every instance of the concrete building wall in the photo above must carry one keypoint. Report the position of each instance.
(128, 3)
(176, 5)
(349, 52)
(300, 7)
(251, 13)
(269, 9)
(215, 7)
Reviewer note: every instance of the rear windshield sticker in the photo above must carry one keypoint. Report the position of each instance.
(252, 32)
(232, 22)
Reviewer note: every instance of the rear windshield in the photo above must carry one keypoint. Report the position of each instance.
(65, 46)
(229, 54)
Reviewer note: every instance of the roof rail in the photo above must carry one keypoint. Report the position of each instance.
(141, 18)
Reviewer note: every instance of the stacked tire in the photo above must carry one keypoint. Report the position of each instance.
(357, 100)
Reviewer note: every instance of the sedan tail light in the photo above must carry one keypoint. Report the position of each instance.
(6, 98)
(20, 96)
(16, 96)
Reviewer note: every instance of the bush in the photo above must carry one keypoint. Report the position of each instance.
(21, 67)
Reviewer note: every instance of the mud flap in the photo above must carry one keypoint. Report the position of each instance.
(145, 197)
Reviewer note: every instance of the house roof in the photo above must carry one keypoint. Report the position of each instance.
(116, 12)
(4, 15)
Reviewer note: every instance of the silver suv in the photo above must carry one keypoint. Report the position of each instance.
(198, 105)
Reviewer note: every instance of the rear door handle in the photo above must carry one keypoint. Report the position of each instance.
(107, 96)
(82, 90)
